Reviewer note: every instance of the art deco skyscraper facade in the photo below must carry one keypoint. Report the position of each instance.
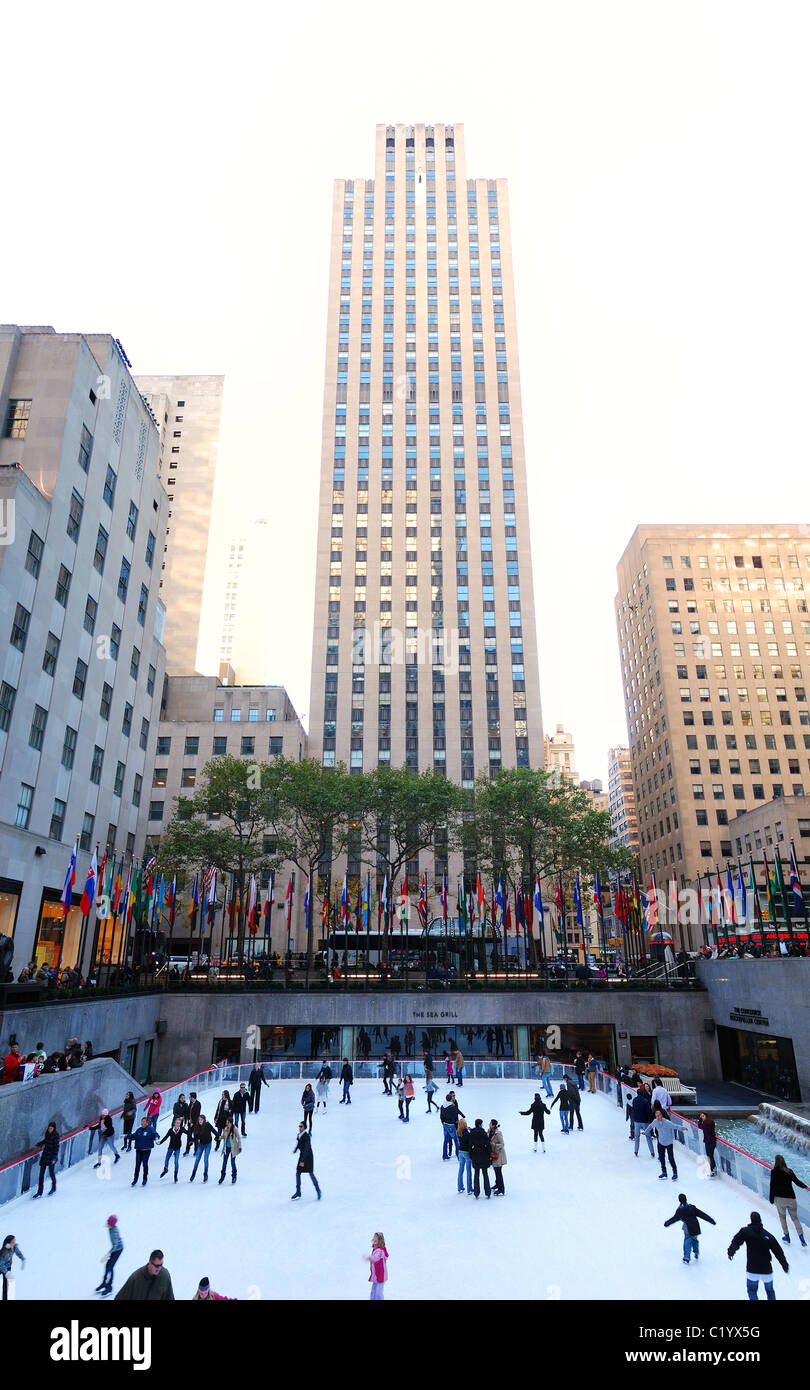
(424, 649)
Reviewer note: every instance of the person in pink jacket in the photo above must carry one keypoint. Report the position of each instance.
(153, 1109)
(378, 1259)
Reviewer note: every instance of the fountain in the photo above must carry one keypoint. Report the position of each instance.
(785, 1129)
(768, 1131)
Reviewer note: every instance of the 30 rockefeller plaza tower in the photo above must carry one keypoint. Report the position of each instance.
(424, 650)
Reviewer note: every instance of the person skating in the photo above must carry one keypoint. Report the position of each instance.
(406, 1098)
(347, 1081)
(128, 1119)
(563, 1099)
(661, 1098)
(665, 1130)
(256, 1080)
(231, 1149)
(480, 1157)
(204, 1134)
(537, 1110)
(760, 1246)
(205, 1294)
(9, 1250)
(175, 1137)
(464, 1160)
(110, 1256)
(223, 1112)
(306, 1162)
(707, 1129)
(48, 1158)
(431, 1087)
(106, 1135)
(579, 1068)
(378, 1260)
(388, 1072)
(194, 1112)
(459, 1060)
(545, 1074)
(574, 1101)
(180, 1109)
(152, 1283)
(782, 1195)
(591, 1069)
(239, 1106)
(687, 1213)
(308, 1105)
(498, 1150)
(448, 1114)
(152, 1111)
(144, 1144)
(641, 1113)
(428, 1058)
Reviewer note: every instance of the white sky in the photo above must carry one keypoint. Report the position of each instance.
(168, 178)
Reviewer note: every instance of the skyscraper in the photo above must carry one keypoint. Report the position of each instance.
(186, 410)
(424, 648)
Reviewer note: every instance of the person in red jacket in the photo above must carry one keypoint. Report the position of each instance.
(11, 1065)
(378, 1260)
(205, 1294)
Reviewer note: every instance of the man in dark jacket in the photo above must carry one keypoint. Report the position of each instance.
(144, 1144)
(537, 1110)
(151, 1283)
(256, 1080)
(760, 1245)
(574, 1099)
(204, 1134)
(194, 1112)
(448, 1115)
(642, 1119)
(579, 1066)
(306, 1163)
(239, 1106)
(688, 1215)
(347, 1077)
(480, 1157)
(388, 1072)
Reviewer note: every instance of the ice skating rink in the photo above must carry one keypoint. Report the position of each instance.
(582, 1221)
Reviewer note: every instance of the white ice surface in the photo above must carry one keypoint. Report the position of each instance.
(582, 1221)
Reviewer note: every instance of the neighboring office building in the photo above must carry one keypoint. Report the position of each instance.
(714, 642)
(245, 637)
(203, 719)
(187, 412)
(81, 622)
(598, 797)
(560, 754)
(622, 801)
(423, 519)
(775, 825)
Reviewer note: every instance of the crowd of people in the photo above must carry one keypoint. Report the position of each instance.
(74, 1055)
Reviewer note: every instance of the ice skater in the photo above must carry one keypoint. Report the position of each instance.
(537, 1110)
(9, 1250)
(128, 1119)
(448, 1115)
(481, 1157)
(591, 1069)
(407, 1097)
(144, 1144)
(110, 1256)
(563, 1099)
(687, 1213)
(782, 1195)
(459, 1067)
(378, 1260)
(239, 1105)
(306, 1162)
(308, 1104)
(448, 1067)
(665, 1130)
(223, 1112)
(760, 1245)
(256, 1080)
(106, 1135)
(545, 1074)
(388, 1072)
(498, 1150)
(641, 1120)
(231, 1149)
(431, 1087)
(464, 1161)
(175, 1137)
(575, 1101)
(48, 1158)
(205, 1294)
(322, 1087)
(152, 1111)
(347, 1081)
(707, 1129)
(194, 1112)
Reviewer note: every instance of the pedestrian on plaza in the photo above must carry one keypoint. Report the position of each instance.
(579, 1068)
(641, 1120)
(591, 1069)
(463, 1151)
(347, 1080)
(378, 1260)
(545, 1074)
(688, 1215)
(308, 1103)
(480, 1157)
(194, 1112)
(128, 1118)
(239, 1106)
(48, 1158)
(574, 1097)
(537, 1110)
(152, 1283)
(665, 1130)
(205, 1294)
(144, 1144)
(204, 1134)
(106, 1135)
(223, 1112)
(152, 1111)
(110, 1256)
(449, 1116)
(431, 1087)
(498, 1156)
(256, 1080)
(459, 1060)
(175, 1138)
(322, 1086)
(231, 1149)
(12, 1062)
(707, 1129)
(306, 1162)
(760, 1245)
(407, 1097)
(9, 1250)
(783, 1180)
(563, 1099)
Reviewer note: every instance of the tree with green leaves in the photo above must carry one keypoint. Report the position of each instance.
(317, 804)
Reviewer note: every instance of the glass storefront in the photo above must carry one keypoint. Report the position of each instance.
(279, 1042)
(596, 1038)
(759, 1061)
(50, 928)
(10, 892)
(482, 1040)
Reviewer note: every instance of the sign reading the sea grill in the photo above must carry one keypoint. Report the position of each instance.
(752, 1017)
(432, 1013)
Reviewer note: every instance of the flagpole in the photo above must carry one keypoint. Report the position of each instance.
(795, 859)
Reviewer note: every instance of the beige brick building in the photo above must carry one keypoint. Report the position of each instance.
(559, 754)
(622, 800)
(714, 645)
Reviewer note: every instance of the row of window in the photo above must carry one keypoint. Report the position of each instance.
(220, 745)
(25, 802)
(8, 695)
(739, 562)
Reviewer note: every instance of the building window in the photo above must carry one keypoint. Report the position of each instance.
(236, 715)
(17, 417)
(276, 746)
(134, 663)
(109, 486)
(57, 819)
(253, 715)
(100, 555)
(219, 714)
(126, 722)
(142, 605)
(85, 449)
(96, 765)
(150, 680)
(156, 810)
(90, 611)
(86, 836)
(270, 715)
(7, 695)
(220, 745)
(63, 586)
(160, 776)
(248, 747)
(51, 654)
(188, 777)
(24, 803)
(33, 557)
(118, 784)
(106, 701)
(79, 678)
(19, 628)
(144, 733)
(132, 521)
(115, 641)
(74, 520)
(136, 789)
(192, 744)
(38, 723)
(69, 747)
(150, 549)
(164, 746)
(123, 579)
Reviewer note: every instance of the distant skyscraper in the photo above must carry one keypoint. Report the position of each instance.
(245, 638)
(424, 649)
(622, 801)
(560, 754)
(187, 411)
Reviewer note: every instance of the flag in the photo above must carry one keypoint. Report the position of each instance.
(288, 901)
(133, 892)
(306, 907)
(651, 909)
(325, 908)
(357, 908)
(461, 904)
(443, 900)
(597, 895)
(577, 901)
(119, 889)
(404, 904)
(148, 876)
(482, 898)
(730, 899)
(499, 897)
(752, 879)
(268, 903)
(384, 901)
(507, 920)
(344, 904)
(520, 909)
(538, 902)
(559, 897)
(795, 886)
(212, 894)
(618, 904)
(252, 904)
(100, 884)
(699, 902)
(422, 904)
(194, 903)
(743, 899)
(89, 894)
(367, 906)
(161, 893)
